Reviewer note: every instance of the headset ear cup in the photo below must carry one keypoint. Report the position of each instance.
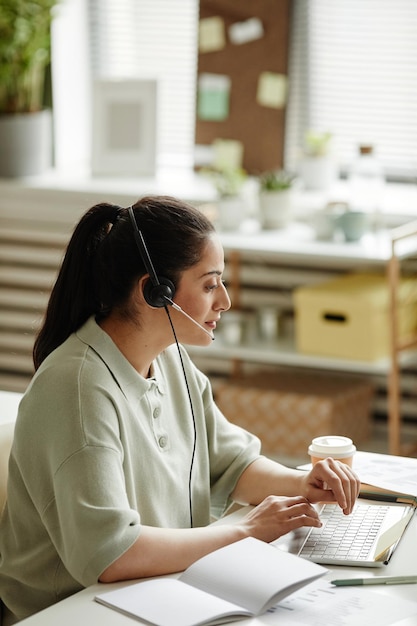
(158, 296)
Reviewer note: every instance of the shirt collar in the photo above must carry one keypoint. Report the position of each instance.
(132, 384)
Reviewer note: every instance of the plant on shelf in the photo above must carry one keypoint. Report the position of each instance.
(317, 144)
(228, 181)
(276, 198)
(25, 55)
(317, 167)
(276, 180)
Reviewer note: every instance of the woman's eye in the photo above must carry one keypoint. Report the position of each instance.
(215, 285)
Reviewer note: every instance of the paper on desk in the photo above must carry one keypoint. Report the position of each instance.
(321, 603)
(394, 473)
(391, 535)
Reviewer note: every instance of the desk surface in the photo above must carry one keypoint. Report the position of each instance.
(82, 609)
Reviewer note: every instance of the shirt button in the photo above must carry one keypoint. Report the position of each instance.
(157, 412)
(163, 441)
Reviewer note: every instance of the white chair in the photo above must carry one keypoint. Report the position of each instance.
(9, 402)
(6, 438)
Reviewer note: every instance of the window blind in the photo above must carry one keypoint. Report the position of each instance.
(158, 39)
(353, 72)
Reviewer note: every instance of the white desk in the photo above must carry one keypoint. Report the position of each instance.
(82, 609)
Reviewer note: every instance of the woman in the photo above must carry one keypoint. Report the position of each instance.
(121, 457)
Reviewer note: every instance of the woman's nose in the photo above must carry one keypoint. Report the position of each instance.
(223, 303)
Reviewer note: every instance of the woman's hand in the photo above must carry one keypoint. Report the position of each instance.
(332, 481)
(277, 515)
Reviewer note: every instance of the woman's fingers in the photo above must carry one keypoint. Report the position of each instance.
(331, 480)
(276, 516)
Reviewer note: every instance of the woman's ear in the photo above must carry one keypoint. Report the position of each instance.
(139, 289)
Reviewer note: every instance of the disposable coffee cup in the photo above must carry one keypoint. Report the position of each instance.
(334, 446)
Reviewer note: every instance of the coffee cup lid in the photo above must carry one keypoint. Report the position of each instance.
(332, 445)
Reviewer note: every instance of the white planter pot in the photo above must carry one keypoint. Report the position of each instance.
(26, 143)
(276, 208)
(231, 213)
(317, 173)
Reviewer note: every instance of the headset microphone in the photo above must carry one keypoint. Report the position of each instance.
(180, 310)
(158, 292)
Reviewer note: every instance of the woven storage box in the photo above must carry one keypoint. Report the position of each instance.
(286, 410)
(349, 317)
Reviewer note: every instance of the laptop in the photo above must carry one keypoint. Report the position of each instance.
(366, 538)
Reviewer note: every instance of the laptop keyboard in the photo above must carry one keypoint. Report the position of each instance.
(344, 537)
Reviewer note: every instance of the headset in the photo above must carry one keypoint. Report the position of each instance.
(158, 292)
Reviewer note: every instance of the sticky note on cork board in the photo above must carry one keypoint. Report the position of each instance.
(211, 34)
(227, 154)
(272, 90)
(213, 97)
(244, 32)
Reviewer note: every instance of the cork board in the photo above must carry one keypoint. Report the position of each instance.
(245, 117)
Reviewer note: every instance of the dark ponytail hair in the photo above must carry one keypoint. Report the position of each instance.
(102, 262)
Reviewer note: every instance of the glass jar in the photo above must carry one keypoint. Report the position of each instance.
(366, 184)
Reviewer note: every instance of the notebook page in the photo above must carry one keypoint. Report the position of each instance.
(251, 574)
(169, 602)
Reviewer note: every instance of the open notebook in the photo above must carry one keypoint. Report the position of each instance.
(367, 537)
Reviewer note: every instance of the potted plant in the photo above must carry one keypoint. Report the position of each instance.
(25, 54)
(317, 166)
(276, 198)
(229, 182)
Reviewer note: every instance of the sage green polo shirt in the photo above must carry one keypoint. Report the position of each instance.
(98, 451)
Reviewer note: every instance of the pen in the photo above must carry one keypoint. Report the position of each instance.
(376, 580)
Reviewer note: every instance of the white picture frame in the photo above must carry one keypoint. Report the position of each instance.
(124, 127)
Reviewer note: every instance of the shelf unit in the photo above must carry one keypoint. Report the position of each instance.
(283, 353)
(385, 252)
(405, 234)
